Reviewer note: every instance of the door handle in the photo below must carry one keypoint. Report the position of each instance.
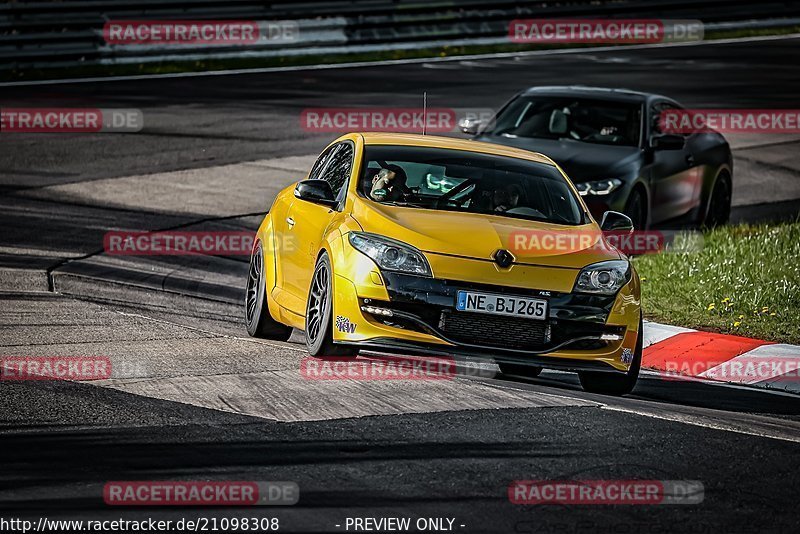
(690, 159)
(290, 222)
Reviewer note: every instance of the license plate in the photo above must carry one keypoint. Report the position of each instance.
(509, 305)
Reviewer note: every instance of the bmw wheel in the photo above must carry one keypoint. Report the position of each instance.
(719, 208)
(259, 321)
(636, 210)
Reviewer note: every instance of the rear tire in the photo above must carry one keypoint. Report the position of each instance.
(719, 206)
(519, 369)
(614, 383)
(256, 311)
(319, 314)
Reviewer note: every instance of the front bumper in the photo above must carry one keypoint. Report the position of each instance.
(423, 320)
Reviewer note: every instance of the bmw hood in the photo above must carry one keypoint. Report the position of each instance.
(581, 161)
(480, 236)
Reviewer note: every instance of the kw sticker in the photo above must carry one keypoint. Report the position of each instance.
(627, 355)
(343, 324)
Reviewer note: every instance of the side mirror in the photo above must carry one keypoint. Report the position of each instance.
(470, 126)
(316, 191)
(667, 142)
(614, 221)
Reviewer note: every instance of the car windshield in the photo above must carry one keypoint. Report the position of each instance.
(604, 122)
(457, 180)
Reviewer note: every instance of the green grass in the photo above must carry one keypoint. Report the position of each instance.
(745, 281)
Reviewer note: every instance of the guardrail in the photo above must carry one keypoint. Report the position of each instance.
(44, 35)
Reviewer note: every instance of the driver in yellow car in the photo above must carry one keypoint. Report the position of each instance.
(388, 184)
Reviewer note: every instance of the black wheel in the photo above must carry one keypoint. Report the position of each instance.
(636, 209)
(719, 207)
(614, 383)
(259, 321)
(519, 369)
(319, 323)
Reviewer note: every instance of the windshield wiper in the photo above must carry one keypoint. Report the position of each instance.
(402, 203)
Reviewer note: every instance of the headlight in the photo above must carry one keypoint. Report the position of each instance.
(598, 187)
(389, 254)
(604, 278)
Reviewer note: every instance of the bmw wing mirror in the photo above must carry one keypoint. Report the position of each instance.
(470, 126)
(613, 221)
(316, 191)
(667, 142)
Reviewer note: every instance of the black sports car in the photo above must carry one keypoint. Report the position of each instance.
(609, 143)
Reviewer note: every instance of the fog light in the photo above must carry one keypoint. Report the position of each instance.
(377, 311)
(610, 337)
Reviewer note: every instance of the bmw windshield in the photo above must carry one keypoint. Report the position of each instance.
(605, 122)
(454, 180)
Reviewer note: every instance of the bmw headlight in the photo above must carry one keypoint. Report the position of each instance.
(389, 254)
(598, 187)
(604, 278)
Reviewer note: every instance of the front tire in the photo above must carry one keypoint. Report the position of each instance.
(319, 313)
(613, 383)
(636, 209)
(257, 317)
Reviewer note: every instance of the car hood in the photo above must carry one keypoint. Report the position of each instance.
(581, 161)
(479, 236)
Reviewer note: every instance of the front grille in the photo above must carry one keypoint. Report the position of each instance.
(495, 331)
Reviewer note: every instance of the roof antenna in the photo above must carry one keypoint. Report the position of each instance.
(424, 110)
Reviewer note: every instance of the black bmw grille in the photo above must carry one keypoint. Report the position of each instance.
(494, 331)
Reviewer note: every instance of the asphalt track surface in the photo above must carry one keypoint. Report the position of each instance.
(195, 399)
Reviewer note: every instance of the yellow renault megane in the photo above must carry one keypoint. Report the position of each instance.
(431, 245)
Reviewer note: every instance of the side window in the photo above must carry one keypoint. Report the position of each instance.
(655, 117)
(338, 169)
(657, 110)
(321, 163)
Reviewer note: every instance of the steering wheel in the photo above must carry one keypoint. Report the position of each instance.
(453, 192)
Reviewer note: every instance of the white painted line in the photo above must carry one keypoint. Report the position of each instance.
(647, 374)
(752, 425)
(410, 61)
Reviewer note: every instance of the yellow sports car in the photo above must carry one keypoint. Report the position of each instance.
(432, 245)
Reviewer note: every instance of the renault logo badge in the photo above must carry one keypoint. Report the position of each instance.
(503, 258)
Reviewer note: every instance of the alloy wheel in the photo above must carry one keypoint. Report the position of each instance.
(254, 284)
(317, 301)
